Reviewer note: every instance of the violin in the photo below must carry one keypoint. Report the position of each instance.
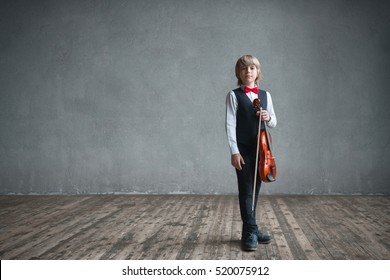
(265, 166)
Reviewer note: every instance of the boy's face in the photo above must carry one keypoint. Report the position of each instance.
(248, 75)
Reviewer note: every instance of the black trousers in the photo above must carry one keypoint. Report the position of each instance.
(245, 178)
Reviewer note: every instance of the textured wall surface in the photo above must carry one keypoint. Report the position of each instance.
(129, 96)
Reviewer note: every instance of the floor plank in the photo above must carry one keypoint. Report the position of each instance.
(191, 227)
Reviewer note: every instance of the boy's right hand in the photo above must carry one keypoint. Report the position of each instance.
(237, 161)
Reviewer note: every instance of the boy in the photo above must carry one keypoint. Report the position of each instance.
(241, 128)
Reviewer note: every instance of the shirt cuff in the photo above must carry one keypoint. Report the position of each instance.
(234, 150)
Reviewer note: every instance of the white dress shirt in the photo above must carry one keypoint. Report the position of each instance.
(231, 120)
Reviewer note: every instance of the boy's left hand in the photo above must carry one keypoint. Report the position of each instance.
(264, 115)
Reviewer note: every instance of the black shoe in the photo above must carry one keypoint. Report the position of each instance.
(249, 241)
(263, 238)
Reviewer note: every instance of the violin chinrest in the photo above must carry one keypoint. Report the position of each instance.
(270, 178)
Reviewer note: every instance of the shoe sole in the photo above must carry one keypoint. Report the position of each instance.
(265, 242)
(249, 249)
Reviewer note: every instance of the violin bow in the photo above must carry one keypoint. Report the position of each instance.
(256, 164)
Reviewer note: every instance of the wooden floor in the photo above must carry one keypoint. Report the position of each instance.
(191, 227)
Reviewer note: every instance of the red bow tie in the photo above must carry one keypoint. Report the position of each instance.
(248, 89)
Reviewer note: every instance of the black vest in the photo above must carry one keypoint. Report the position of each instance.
(247, 121)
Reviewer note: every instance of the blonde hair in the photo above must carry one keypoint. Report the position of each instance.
(247, 60)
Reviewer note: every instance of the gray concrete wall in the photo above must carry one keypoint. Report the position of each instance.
(129, 96)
